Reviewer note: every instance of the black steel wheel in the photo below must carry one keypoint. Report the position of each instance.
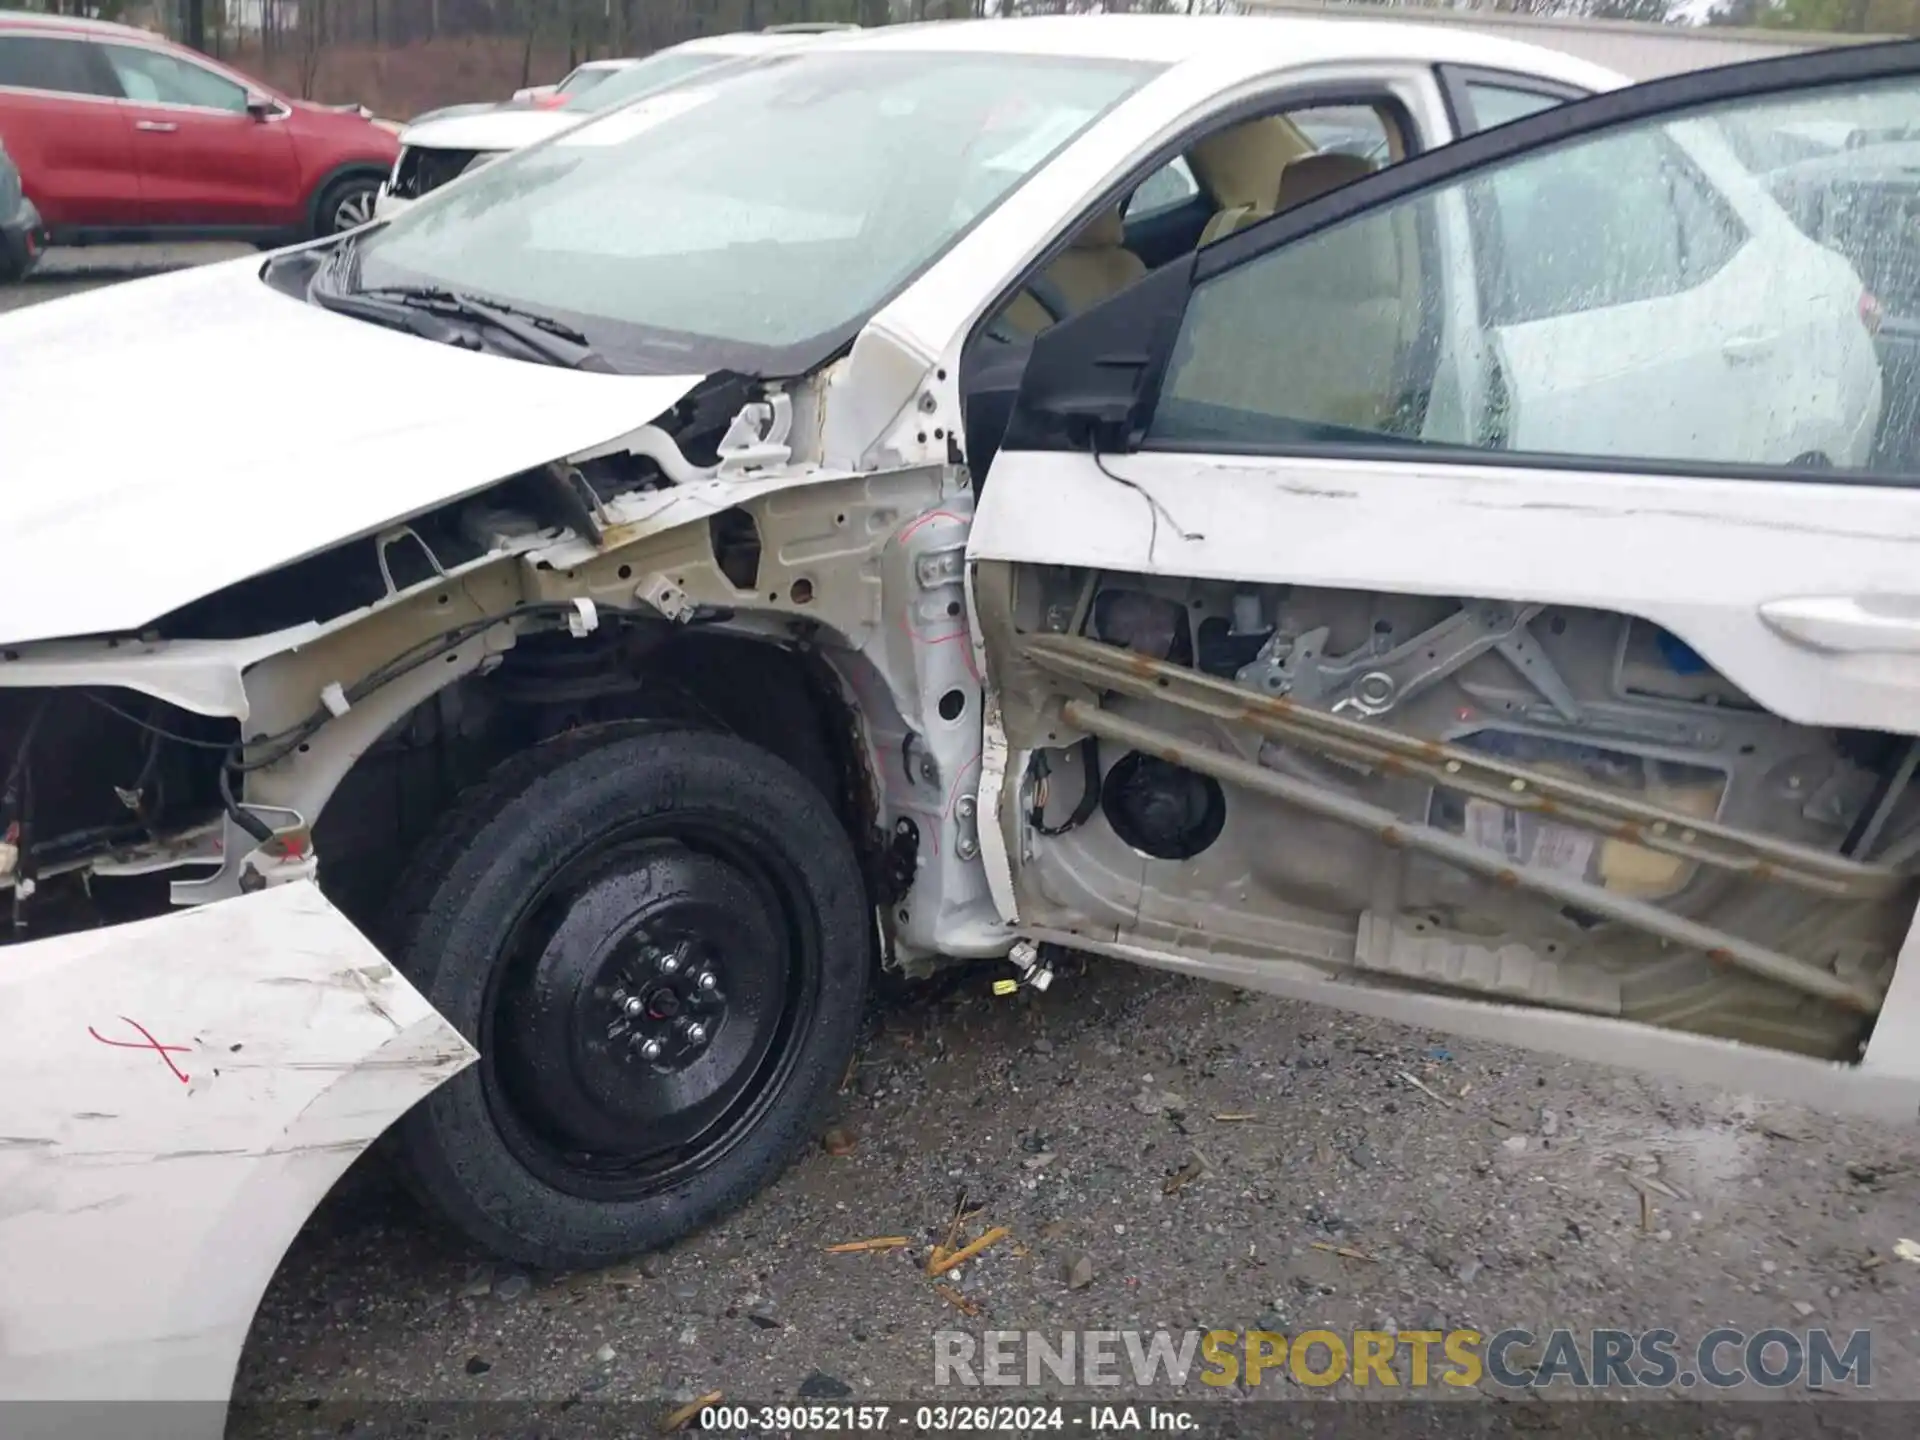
(659, 942)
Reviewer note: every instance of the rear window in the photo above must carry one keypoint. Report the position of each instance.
(1856, 215)
(40, 62)
(581, 81)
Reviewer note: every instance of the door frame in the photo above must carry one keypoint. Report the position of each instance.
(1083, 411)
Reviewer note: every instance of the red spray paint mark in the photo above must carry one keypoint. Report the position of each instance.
(146, 1042)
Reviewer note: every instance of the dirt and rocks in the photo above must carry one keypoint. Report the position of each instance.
(1164, 1154)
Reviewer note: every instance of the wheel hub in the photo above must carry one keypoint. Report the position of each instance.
(641, 1011)
(668, 1006)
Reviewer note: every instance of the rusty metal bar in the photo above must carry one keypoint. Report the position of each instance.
(1455, 767)
(1719, 947)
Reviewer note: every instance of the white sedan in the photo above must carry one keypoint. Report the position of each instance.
(961, 491)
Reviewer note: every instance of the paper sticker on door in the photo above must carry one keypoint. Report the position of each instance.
(1528, 840)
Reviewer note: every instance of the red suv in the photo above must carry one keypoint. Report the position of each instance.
(121, 135)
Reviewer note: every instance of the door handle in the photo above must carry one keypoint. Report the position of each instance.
(1848, 625)
(1745, 349)
(156, 127)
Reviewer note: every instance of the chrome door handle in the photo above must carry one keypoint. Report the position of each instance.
(157, 127)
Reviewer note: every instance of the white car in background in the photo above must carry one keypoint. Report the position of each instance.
(590, 74)
(438, 149)
(577, 81)
(959, 491)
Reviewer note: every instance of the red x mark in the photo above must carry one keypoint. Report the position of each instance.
(146, 1042)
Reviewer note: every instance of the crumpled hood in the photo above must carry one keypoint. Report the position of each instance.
(164, 439)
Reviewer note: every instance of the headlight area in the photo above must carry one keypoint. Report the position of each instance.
(106, 790)
(114, 799)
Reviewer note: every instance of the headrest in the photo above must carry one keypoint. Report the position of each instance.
(1103, 232)
(1242, 165)
(1312, 176)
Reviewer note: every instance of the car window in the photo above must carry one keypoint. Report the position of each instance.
(155, 78)
(1168, 188)
(677, 227)
(1356, 130)
(35, 62)
(1664, 230)
(1502, 104)
(581, 81)
(1630, 293)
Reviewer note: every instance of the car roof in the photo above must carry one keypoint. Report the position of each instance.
(752, 42)
(1255, 44)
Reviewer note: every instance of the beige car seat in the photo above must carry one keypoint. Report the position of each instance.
(1095, 265)
(1241, 168)
(1312, 176)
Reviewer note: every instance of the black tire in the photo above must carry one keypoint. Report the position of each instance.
(616, 844)
(355, 192)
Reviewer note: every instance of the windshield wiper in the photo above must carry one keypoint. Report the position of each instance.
(392, 314)
(550, 338)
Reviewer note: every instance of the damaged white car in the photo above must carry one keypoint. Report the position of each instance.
(964, 491)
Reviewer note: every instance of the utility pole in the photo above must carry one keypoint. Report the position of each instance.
(197, 24)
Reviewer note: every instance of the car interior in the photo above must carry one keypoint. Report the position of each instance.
(1226, 180)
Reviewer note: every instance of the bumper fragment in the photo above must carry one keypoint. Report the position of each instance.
(181, 1094)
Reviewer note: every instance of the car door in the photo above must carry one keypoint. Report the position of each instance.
(1327, 665)
(205, 161)
(65, 131)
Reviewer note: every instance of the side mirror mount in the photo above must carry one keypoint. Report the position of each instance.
(262, 107)
(1092, 378)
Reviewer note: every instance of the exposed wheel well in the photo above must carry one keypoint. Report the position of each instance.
(783, 700)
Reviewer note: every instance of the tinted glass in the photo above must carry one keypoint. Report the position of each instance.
(33, 62)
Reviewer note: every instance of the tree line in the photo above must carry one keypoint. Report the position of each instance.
(588, 28)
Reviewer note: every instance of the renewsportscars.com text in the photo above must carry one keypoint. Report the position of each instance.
(1721, 1359)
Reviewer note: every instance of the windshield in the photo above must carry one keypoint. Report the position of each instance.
(753, 223)
(656, 72)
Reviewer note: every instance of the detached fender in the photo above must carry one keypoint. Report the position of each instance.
(179, 1095)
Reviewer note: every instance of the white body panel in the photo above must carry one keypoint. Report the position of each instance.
(501, 129)
(329, 428)
(1699, 557)
(142, 1214)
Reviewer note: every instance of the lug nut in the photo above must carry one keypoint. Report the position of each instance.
(707, 982)
(696, 1034)
(634, 1007)
(651, 1050)
(669, 963)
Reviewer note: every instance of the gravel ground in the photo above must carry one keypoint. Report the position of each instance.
(1505, 1189)
(1502, 1189)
